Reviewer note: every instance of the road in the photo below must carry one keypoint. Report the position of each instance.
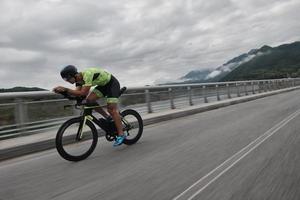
(244, 151)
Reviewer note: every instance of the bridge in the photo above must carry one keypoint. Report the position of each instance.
(236, 140)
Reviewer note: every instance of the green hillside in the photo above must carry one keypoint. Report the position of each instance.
(278, 62)
(21, 89)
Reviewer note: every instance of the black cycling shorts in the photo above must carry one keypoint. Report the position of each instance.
(111, 90)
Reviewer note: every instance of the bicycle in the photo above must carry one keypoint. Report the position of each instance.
(77, 138)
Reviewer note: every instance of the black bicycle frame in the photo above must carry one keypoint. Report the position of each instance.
(87, 115)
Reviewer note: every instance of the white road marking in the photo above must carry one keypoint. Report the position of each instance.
(205, 181)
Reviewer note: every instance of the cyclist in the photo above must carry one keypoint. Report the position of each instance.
(95, 83)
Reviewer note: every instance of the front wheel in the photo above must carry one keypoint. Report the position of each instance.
(75, 141)
(132, 126)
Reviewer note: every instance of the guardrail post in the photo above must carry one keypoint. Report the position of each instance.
(238, 89)
(294, 82)
(218, 93)
(265, 86)
(204, 94)
(171, 98)
(21, 115)
(272, 85)
(259, 87)
(148, 101)
(285, 83)
(190, 92)
(228, 91)
(246, 89)
(253, 89)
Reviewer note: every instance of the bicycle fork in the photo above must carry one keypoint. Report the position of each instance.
(81, 126)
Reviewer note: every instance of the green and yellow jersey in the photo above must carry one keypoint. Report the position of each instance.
(95, 76)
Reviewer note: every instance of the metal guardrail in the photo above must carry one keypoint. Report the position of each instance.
(146, 99)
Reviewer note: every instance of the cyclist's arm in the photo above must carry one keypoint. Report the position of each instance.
(79, 91)
(83, 90)
(78, 87)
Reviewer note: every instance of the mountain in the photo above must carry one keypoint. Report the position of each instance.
(263, 63)
(196, 75)
(21, 89)
(278, 62)
(221, 72)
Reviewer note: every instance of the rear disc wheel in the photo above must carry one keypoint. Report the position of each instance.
(132, 126)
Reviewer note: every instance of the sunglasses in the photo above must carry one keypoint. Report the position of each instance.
(68, 78)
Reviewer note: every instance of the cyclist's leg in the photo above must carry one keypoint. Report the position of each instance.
(114, 112)
(112, 92)
(92, 97)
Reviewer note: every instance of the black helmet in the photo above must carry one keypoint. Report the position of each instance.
(68, 72)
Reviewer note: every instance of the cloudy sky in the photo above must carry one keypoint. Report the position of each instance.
(140, 41)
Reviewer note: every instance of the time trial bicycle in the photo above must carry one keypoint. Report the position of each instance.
(77, 138)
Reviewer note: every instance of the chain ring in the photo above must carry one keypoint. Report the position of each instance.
(110, 137)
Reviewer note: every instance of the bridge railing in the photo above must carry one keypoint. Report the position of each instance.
(24, 113)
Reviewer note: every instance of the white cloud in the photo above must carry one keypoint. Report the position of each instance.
(9, 56)
(140, 41)
(213, 74)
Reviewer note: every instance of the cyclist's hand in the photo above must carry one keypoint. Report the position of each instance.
(59, 89)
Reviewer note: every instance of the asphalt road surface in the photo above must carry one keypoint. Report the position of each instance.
(244, 151)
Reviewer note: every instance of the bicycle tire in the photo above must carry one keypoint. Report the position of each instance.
(60, 145)
(139, 123)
